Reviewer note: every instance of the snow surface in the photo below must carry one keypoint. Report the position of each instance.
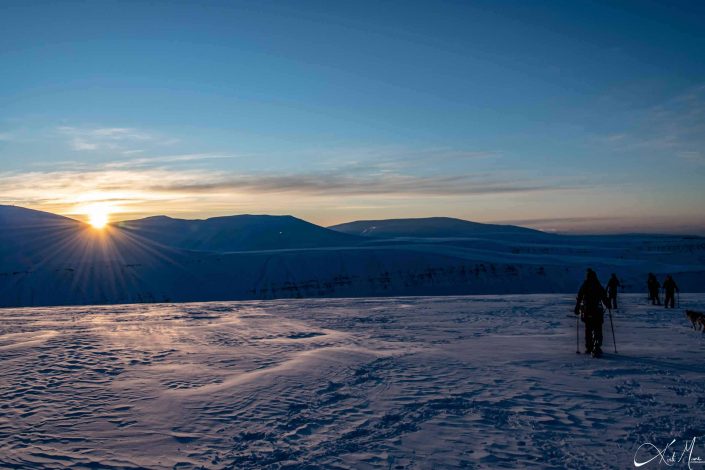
(415, 382)
(50, 260)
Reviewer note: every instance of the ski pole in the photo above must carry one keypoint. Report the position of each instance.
(678, 298)
(577, 334)
(614, 340)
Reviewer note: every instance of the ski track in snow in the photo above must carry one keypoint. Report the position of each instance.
(424, 382)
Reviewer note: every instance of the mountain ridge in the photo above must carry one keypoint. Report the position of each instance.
(17, 215)
(60, 261)
(244, 232)
(438, 227)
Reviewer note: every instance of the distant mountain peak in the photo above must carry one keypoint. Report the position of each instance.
(243, 232)
(16, 216)
(428, 227)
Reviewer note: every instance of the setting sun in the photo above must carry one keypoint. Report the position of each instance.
(98, 216)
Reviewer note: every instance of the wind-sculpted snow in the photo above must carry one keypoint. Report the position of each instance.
(476, 382)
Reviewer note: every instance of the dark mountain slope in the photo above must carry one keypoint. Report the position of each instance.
(237, 233)
(431, 227)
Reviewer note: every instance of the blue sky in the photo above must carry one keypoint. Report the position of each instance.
(569, 116)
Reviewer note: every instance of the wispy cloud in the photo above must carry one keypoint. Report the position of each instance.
(695, 157)
(159, 190)
(141, 180)
(396, 157)
(161, 160)
(335, 184)
(675, 127)
(76, 184)
(117, 139)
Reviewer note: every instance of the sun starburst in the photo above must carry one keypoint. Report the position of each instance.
(98, 215)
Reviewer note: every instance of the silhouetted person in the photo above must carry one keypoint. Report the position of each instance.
(670, 287)
(592, 296)
(612, 286)
(654, 287)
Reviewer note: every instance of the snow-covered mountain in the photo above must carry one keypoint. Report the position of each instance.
(50, 260)
(434, 227)
(28, 237)
(237, 233)
(14, 217)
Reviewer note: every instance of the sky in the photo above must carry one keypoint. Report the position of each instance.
(564, 116)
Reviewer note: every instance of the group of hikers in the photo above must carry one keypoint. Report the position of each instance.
(669, 287)
(592, 296)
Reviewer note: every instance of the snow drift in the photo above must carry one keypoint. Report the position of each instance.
(446, 382)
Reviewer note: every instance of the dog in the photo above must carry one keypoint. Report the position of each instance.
(697, 319)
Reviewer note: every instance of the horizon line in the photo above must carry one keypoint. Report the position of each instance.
(522, 223)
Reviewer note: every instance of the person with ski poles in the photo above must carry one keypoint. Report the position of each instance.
(654, 286)
(591, 297)
(670, 288)
(612, 285)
